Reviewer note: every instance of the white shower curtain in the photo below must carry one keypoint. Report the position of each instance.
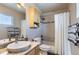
(62, 45)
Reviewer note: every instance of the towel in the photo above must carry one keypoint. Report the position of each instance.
(72, 37)
(72, 30)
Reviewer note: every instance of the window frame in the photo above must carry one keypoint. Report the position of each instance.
(11, 20)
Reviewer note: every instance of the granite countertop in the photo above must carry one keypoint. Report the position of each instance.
(4, 51)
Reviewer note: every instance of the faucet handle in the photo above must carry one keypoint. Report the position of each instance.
(16, 36)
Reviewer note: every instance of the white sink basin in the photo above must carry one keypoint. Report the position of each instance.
(3, 43)
(19, 46)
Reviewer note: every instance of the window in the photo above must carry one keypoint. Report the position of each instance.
(5, 19)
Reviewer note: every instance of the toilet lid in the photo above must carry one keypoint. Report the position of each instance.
(49, 48)
(45, 47)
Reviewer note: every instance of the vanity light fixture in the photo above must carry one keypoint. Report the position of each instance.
(19, 5)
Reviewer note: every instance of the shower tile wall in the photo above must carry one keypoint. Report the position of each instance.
(48, 30)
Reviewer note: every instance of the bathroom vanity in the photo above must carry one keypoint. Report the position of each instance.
(32, 50)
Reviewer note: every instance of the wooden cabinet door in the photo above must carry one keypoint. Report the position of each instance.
(37, 51)
(32, 52)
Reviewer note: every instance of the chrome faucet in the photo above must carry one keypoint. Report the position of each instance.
(9, 37)
(16, 38)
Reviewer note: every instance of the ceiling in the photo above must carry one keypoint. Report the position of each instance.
(48, 7)
(13, 6)
(44, 7)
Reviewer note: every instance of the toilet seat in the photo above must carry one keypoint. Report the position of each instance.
(45, 47)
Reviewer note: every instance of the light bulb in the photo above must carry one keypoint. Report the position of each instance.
(22, 4)
(18, 5)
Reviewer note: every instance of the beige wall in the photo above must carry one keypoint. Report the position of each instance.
(72, 10)
(74, 49)
(16, 20)
(73, 19)
(48, 30)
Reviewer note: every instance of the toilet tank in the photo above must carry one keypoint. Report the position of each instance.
(38, 39)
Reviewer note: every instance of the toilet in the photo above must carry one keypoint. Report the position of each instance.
(44, 48)
(37, 40)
